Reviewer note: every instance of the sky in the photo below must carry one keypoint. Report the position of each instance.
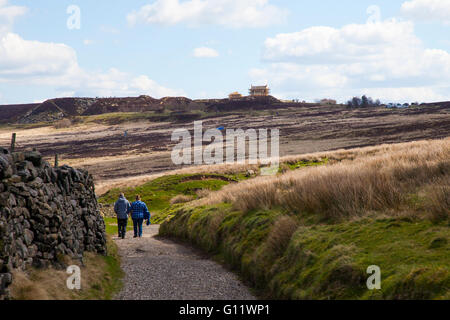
(392, 50)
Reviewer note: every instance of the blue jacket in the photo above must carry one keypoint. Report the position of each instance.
(122, 208)
(139, 210)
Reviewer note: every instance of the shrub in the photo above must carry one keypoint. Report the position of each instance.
(181, 199)
(439, 201)
(63, 123)
(280, 235)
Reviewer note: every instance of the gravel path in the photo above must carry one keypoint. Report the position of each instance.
(159, 269)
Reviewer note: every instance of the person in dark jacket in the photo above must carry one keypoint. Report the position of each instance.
(139, 212)
(122, 208)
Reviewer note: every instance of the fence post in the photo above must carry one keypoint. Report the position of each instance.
(56, 160)
(13, 142)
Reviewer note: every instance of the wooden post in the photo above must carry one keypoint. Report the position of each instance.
(56, 160)
(13, 142)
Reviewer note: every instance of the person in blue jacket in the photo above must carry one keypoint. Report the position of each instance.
(139, 213)
(122, 208)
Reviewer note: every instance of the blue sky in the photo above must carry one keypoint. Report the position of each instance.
(304, 50)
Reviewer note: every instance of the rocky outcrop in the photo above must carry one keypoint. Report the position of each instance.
(60, 108)
(57, 109)
(46, 214)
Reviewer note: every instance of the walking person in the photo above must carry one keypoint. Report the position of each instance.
(139, 212)
(122, 208)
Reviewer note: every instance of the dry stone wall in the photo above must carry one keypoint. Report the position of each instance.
(46, 214)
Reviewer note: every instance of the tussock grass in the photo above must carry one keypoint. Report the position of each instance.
(181, 198)
(280, 235)
(287, 162)
(100, 279)
(372, 182)
(312, 233)
(439, 199)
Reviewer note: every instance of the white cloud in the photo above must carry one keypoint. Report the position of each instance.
(228, 13)
(145, 84)
(8, 14)
(26, 62)
(427, 10)
(19, 57)
(88, 42)
(205, 52)
(111, 83)
(385, 58)
(56, 65)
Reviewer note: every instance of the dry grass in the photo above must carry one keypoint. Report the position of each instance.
(332, 157)
(181, 198)
(356, 182)
(46, 286)
(439, 199)
(97, 280)
(62, 124)
(203, 193)
(280, 235)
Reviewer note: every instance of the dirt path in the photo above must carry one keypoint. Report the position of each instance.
(159, 269)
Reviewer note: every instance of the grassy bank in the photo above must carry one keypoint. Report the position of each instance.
(101, 279)
(312, 233)
(160, 193)
(285, 258)
(165, 194)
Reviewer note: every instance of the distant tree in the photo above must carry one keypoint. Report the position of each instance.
(356, 102)
(364, 101)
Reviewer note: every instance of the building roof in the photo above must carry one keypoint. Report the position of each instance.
(259, 87)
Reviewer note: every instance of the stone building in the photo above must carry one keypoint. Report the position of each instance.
(235, 96)
(328, 102)
(259, 91)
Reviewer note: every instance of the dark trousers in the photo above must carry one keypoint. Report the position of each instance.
(122, 224)
(137, 225)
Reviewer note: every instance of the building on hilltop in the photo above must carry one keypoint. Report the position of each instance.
(259, 91)
(328, 102)
(235, 96)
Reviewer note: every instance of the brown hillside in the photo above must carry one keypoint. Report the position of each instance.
(12, 112)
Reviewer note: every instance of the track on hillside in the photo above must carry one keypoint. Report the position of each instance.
(159, 269)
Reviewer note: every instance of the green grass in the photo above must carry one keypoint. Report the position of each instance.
(322, 261)
(24, 126)
(301, 164)
(111, 227)
(158, 193)
(110, 282)
(307, 163)
(121, 117)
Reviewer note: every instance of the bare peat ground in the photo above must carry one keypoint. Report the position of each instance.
(109, 156)
(158, 269)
